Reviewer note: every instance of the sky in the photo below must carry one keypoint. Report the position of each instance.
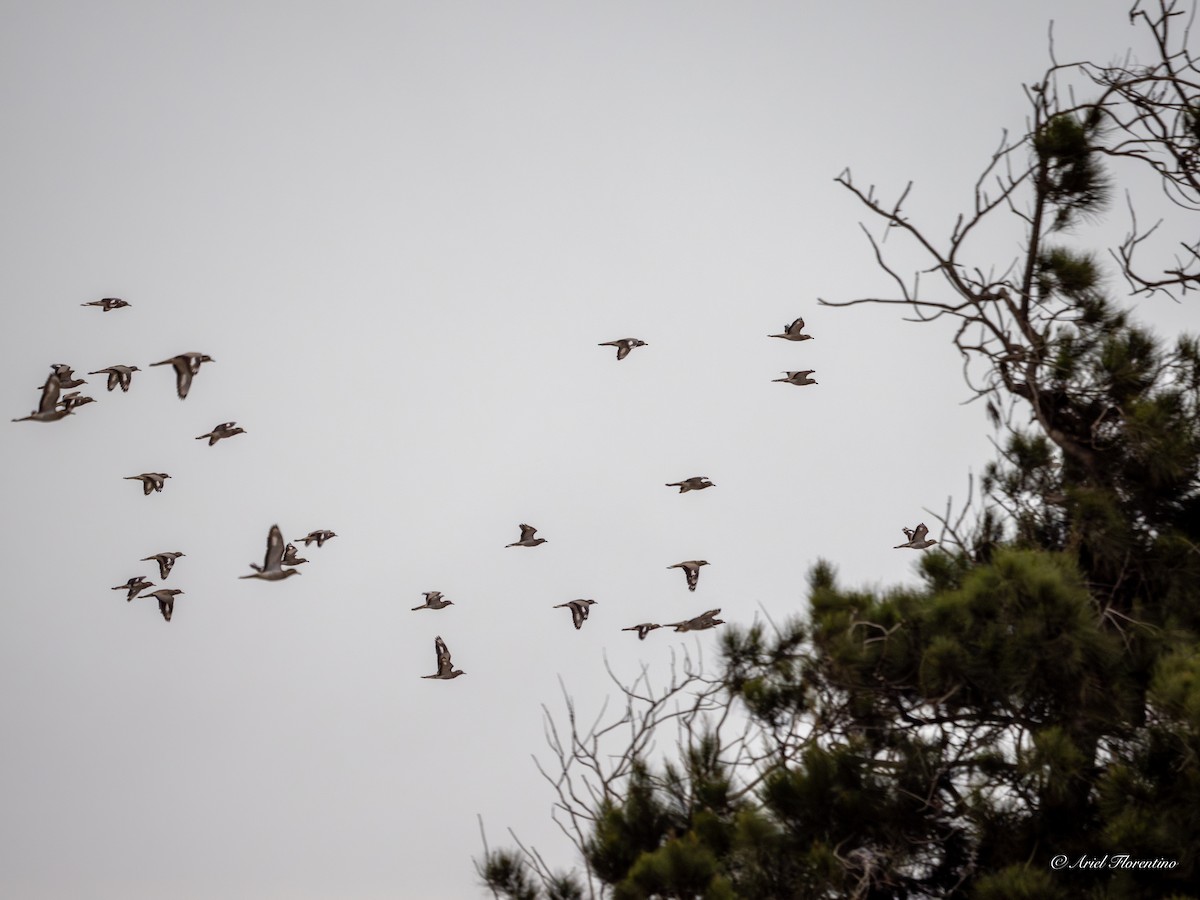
(401, 230)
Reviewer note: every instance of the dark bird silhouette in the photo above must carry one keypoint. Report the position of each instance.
(445, 668)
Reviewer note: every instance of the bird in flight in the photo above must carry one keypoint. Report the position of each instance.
(48, 407)
(916, 538)
(691, 568)
(798, 378)
(224, 430)
(272, 567)
(186, 365)
(445, 668)
(642, 630)
(134, 586)
(433, 600)
(290, 558)
(165, 562)
(792, 332)
(527, 537)
(699, 623)
(73, 401)
(151, 481)
(166, 600)
(579, 611)
(695, 483)
(624, 345)
(66, 376)
(108, 303)
(118, 376)
(319, 536)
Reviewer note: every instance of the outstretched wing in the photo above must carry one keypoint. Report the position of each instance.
(919, 534)
(527, 532)
(443, 656)
(50, 391)
(623, 350)
(183, 377)
(274, 557)
(796, 327)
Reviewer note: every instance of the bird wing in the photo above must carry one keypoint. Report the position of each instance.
(527, 532)
(50, 391)
(183, 376)
(623, 350)
(796, 327)
(443, 656)
(578, 614)
(919, 534)
(274, 557)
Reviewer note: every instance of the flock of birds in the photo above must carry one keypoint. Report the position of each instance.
(282, 558)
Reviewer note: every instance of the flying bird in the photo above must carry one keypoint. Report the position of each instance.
(798, 378)
(108, 303)
(72, 401)
(579, 611)
(433, 600)
(319, 536)
(151, 481)
(527, 537)
(700, 623)
(224, 430)
(120, 376)
(272, 567)
(624, 345)
(642, 630)
(66, 376)
(186, 365)
(695, 483)
(165, 561)
(166, 600)
(290, 558)
(792, 332)
(48, 407)
(445, 668)
(916, 538)
(134, 586)
(691, 568)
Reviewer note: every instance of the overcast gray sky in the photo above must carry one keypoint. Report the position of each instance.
(401, 229)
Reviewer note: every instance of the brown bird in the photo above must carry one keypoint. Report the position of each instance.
(134, 586)
(916, 538)
(66, 376)
(695, 483)
(691, 568)
(579, 611)
(73, 401)
(700, 623)
(445, 668)
(165, 561)
(290, 558)
(319, 536)
(433, 600)
(624, 346)
(792, 332)
(151, 481)
(798, 378)
(272, 567)
(224, 430)
(527, 537)
(186, 365)
(166, 600)
(108, 303)
(118, 376)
